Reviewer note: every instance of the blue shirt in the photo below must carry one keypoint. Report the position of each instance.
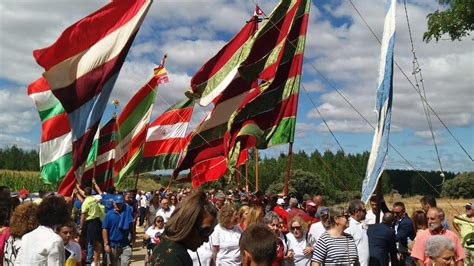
(118, 237)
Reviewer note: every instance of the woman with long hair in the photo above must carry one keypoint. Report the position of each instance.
(243, 214)
(254, 216)
(191, 224)
(334, 246)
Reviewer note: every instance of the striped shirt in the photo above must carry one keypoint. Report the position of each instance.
(335, 250)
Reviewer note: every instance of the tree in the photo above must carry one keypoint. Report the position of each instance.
(460, 186)
(457, 20)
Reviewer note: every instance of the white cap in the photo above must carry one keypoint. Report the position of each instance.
(280, 201)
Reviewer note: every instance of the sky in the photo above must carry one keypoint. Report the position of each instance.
(341, 57)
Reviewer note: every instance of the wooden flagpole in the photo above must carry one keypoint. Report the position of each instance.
(288, 168)
(247, 177)
(256, 169)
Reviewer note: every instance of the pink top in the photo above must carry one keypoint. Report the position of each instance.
(4, 235)
(418, 251)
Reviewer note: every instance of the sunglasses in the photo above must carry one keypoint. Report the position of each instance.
(296, 228)
(347, 216)
(160, 221)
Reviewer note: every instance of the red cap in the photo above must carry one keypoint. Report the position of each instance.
(23, 192)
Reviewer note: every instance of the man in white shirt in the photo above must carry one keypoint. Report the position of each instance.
(143, 203)
(165, 210)
(370, 218)
(358, 230)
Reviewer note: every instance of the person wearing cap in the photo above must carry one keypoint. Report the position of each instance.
(280, 210)
(23, 195)
(311, 209)
(464, 225)
(115, 233)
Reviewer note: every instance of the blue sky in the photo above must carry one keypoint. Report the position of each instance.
(338, 45)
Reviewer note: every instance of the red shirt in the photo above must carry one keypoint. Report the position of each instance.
(295, 211)
(283, 214)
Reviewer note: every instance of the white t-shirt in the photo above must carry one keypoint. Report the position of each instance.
(370, 217)
(143, 201)
(41, 246)
(205, 254)
(75, 250)
(298, 245)
(358, 230)
(228, 242)
(315, 232)
(153, 232)
(165, 214)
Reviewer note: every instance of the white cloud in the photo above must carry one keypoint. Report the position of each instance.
(191, 32)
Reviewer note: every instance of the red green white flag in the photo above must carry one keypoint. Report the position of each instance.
(166, 137)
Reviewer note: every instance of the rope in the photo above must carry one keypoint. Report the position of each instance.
(415, 73)
(423, 100)
(413, 85)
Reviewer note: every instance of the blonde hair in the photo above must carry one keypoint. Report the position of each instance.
(255, 216)
(300, 220)
(241, 212)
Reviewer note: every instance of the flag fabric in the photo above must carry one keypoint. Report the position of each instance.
(81, 67)
(55, 152)
(166, 137)
(217, 73)
(102, 169)
(383, 105)
(267, 116)
(205, 153)
(132, 126)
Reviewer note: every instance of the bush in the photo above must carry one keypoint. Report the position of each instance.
(462, 186)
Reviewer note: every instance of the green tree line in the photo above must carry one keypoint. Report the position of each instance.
(14, 158)
(337, 175)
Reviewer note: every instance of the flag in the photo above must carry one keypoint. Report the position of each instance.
(161, 74)
(258, 11)
(103, 167)
(267, 116)
(383, 105)
(205, 153)
(55, 152)
(132, 126)
(217, 73)
(166, 137)
(83, 65)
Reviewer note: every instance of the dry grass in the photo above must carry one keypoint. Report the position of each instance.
(451, 207)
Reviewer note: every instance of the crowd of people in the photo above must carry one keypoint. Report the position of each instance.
(217, 227)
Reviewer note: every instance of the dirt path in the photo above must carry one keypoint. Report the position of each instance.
(138, 255)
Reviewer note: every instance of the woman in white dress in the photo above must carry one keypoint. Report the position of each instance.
(225, 238)
(298, 243)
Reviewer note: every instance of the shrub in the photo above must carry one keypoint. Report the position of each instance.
(462, 186)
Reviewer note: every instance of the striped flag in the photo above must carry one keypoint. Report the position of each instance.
(217, 73)
(103, 167)
(132, 126)
(383, 105)
(205, 154)
(83, 65)
(166, 137)
(56, 139)
(204, 144)
(268, 116)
